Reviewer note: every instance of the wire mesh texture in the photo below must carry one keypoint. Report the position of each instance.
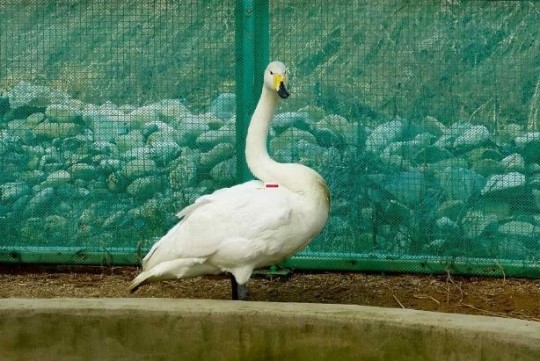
(423, 117)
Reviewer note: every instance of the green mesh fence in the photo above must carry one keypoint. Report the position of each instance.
(422, 116)
(115, 115)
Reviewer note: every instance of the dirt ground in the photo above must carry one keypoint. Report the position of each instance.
(517, 298)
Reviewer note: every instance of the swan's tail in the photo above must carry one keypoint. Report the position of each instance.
(139, 281)
(178, 268)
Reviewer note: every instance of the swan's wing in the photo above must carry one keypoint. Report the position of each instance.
(225, 218)
(255, 184)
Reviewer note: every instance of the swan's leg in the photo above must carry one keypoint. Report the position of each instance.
(239, 292)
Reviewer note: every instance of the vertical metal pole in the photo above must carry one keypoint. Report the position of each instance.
(252, 44)
(262, 42)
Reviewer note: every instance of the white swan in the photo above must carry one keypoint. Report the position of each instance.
(249, 225)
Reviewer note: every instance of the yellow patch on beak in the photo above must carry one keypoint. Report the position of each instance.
(278, 79)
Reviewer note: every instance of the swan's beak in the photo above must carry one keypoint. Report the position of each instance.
(279, 86)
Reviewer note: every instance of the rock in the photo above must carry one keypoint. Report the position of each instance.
(397, 212)
(497, 207)
(35, 118)
(446, 141)
(509, 132)
(452, 209)
(498, 183)
(487, 167)
(440, 166)
(483, 153)
(145, 187)
(21, 129)
(144, 115)
(534, 180)
(189, 129)
(133, 139)
(476, 223)
(11, 191)
(224, 173)
(55, 223)
(83, 171)
(445, 228)
(395, 161)
(351, 133)
(530, 145)
(327, 138)
(383, 135)
(314, 112)
(32, 229)
(4, 105)
(78, 143)
(314, 156)
(513, 163)
(518, 229)
(108, 166)
(56, 178)
(536, 199)
(50, 130)
(460, 183)
(211, 138)
(117, 182)
(284, 121)
(140, 168)
(161, 137)
(472, 137)
(406, 150)
(39, 201)
(167, 131)
(433, 126)
(137, 153)
(103, 147)
(24, 94)
(70, 192)
(20, 204)
(457, 129)
(288, 139)
(184, 169)
(515, 249)
(163, 151)
(217, 154)
(171, 111)
(116, 220)
(32, 177)
(407, 187)
(63, 113)
(524, 139)
(106, 121)
(224, 106)
(432, 154)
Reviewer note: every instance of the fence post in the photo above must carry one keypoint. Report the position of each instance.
(252, 53)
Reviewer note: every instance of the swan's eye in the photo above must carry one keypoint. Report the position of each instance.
(271, 72)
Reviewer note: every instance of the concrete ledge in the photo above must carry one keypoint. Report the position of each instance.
(171, 329)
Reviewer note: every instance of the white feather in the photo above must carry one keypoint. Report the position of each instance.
(249, 225)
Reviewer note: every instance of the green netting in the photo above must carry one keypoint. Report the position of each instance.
(423, 117)
(115, 115)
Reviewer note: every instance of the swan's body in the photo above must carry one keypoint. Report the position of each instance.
(249, 225)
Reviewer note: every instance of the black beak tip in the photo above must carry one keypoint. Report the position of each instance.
(283, 92)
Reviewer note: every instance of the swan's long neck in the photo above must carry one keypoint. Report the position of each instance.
(295, 177)
(258, 160)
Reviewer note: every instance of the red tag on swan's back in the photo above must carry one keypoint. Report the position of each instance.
(271, 185)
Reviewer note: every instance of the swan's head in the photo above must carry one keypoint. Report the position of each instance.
(275, 78)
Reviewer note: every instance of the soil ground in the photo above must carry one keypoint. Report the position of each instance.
(516, 298)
